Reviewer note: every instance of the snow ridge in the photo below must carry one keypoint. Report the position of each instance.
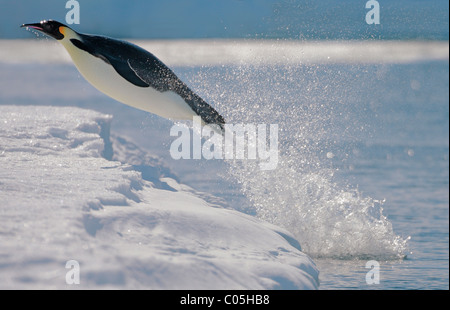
(71, 191)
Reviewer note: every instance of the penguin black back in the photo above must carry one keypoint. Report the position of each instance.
(143, 69)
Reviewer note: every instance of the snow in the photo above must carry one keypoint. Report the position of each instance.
(211, 52)
(71, 191)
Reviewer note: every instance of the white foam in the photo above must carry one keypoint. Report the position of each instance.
(329, 220)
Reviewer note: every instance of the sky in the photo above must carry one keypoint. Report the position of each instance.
(266, 19)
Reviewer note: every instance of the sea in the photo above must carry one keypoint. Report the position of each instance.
(362, 178)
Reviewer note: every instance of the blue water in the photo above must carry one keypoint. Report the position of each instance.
(386, 126)
(405, 161)
(280, 19)
(388, 129)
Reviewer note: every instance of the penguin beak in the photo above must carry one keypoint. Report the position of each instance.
(37, 26)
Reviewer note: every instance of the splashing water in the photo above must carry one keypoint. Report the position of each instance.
(317, 109)
(34, 31)
(327, 220)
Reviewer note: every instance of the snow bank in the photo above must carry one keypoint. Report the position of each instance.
(69, 191)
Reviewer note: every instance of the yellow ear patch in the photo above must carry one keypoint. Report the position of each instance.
(61, 29)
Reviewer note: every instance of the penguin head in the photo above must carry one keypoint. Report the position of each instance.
(50, 27)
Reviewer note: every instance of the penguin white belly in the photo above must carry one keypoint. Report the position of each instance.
(103, 77)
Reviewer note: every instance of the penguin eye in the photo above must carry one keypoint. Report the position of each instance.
(53, 30)
(48, 28)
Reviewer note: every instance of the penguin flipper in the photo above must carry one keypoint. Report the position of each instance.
(127, 72)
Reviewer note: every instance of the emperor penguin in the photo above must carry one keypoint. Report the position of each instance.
(130, 75)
